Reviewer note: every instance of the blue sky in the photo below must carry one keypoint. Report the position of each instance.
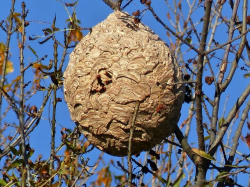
(41, 15)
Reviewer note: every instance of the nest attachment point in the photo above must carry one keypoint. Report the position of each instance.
(113, 67)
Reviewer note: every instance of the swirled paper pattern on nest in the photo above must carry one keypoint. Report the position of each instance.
(114, 66)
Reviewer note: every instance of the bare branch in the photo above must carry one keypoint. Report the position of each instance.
(21, 114)
(238, 133)
(114, 4)
(6, 52)
(228, 42)
(201, 171)
(228, 120)
(137, 105)
(170, 30)
(37, 119)
(186, 147)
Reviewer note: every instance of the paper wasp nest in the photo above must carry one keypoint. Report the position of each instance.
(114, 66)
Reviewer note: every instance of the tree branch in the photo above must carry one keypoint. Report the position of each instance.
(170, 30)
(21, 113)
(38, 116)
(6, 52)
(186, 147)
(228, 120)
(137, 105)
(201, 169)
(115, 5)
(237, 134)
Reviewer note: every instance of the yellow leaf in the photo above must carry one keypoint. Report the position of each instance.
(85, 146)
(203, 154)
(16, 17)
(221, 177)
(75, 35)
(9, 67)
(2, 49)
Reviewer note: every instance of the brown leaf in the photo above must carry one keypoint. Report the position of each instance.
(148, 3)
(39, 87)
(136, 13)
(136, 20)
(63, 130)
(209, 80)
(178, 18)
(85, 145)
(247, 138)
(71, 4)
(179, 5)
(75, 35)
(168, 16)
(59, 99)
(33, 111)
(248, 125)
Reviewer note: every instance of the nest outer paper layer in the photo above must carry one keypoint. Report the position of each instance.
(111, 68)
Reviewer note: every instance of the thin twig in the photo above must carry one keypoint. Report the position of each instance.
(83, 169)
(170, 30)
(126, 4)
(226, 43)
(37, 119)
(228, 120)
(6, 52)
(32, 63)
(21, 113)
(53, 122)
(130, 143)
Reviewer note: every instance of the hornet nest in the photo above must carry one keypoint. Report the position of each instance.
(113, 67)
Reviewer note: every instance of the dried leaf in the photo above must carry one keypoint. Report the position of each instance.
(85, 146)
(33, 111)
(248, 125)
(209, 80)
(47, 31)
(33, 51)
(221, 177)
(246, 75)
(188, 40)
(168, 16)
(75, 35)
(247, 138)
(203, 154)
(136, 13)
(53, 26)
(71, 4)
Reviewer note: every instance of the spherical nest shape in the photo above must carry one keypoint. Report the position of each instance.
(117, 64)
